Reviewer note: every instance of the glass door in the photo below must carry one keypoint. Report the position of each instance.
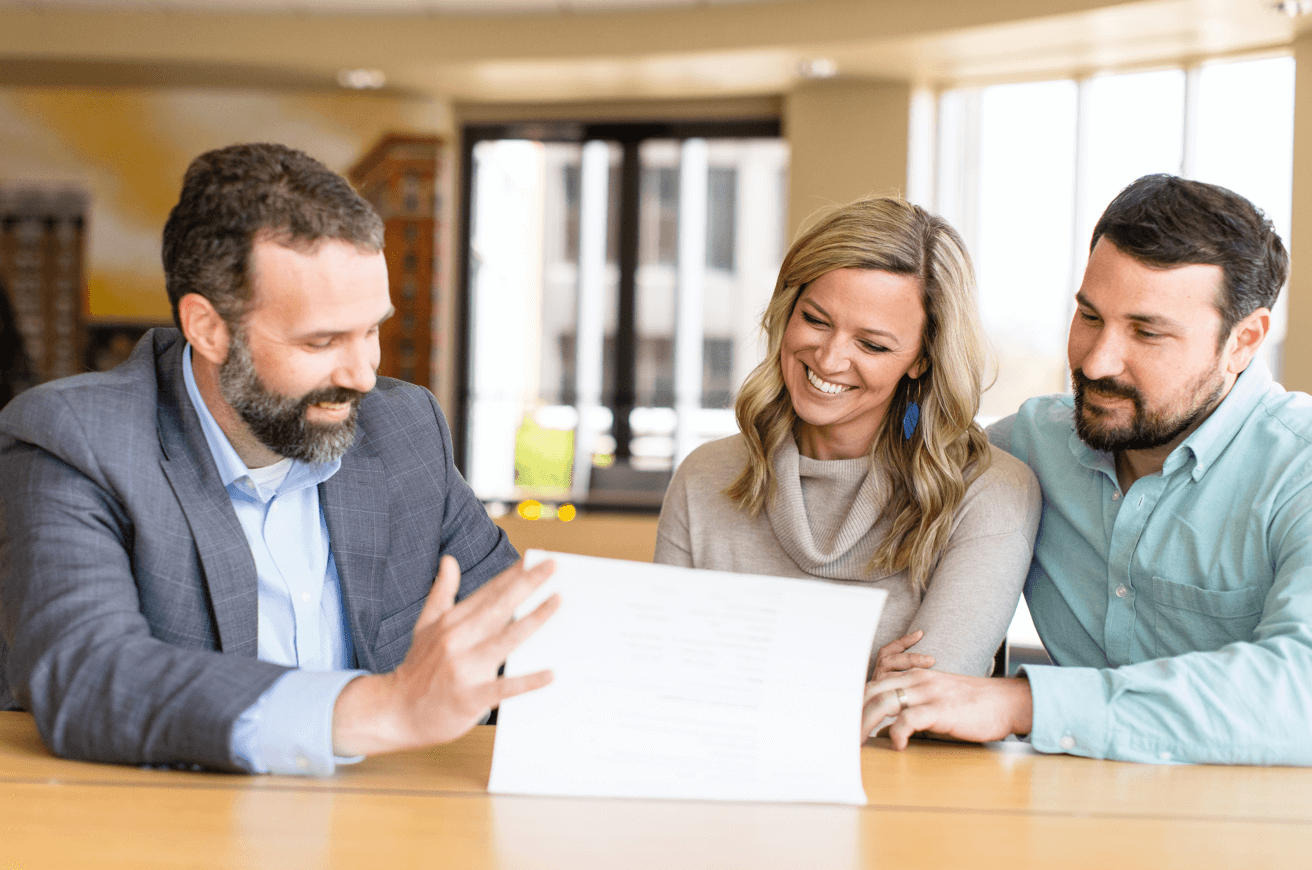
(614, 280)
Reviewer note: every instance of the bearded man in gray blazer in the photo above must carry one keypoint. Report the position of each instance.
(222, 553)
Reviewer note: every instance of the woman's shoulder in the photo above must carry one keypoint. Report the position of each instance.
(705, 474)
(1007, 469)
(1007, 483)
(714, 464)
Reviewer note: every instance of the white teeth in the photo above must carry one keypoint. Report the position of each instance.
(824, 386)
(332, 406)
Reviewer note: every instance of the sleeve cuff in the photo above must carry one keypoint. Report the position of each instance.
(289, 729)
(1070, 710)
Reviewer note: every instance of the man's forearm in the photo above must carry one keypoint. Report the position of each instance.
(363, 718)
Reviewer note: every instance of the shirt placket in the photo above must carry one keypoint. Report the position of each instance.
(1129, 516)
(285, 541)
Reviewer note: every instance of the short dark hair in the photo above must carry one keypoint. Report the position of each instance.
(1165, 221)
(234, 195)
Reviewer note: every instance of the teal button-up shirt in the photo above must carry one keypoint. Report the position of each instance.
(1179, 612)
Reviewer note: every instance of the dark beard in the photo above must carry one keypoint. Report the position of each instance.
(1146, 430)
(279, 421)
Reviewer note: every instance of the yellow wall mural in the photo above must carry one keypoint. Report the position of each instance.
(127, 148)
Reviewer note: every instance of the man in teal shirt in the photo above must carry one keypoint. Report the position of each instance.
(1172, 576)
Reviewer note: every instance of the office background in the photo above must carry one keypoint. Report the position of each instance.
(655, 154)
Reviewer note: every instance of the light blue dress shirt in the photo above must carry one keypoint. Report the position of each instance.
(301, 620)
(1180, 611)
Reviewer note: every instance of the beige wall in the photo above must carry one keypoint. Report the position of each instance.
(1297, 364)
(848, 140)
(128, 148)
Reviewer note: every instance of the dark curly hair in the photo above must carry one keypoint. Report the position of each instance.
(1165, 221)
(234, 195)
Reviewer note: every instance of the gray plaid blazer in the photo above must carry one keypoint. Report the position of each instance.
(127, 588)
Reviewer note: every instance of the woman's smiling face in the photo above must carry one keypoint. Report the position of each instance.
(853, 335)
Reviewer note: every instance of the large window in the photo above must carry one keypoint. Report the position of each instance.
(614, 281)
(1024, 170)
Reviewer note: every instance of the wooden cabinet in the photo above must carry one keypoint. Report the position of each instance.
(42, 240)
(401, 176)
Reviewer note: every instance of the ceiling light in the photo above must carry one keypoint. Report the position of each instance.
(361, 79)
(1293, 8)
(821, 68)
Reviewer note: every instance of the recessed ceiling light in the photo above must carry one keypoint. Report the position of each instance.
(817, 68)
(361, 79)
(1293, 8)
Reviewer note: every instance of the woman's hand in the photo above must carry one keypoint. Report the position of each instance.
(893, 657)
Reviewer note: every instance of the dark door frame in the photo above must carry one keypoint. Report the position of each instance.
(629, 136)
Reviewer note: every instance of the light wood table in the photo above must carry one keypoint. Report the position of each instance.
(935, 805)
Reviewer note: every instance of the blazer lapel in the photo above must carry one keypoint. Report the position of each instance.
(225, 556)
(355, 506)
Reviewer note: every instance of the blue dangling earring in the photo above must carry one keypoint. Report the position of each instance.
(910, 419)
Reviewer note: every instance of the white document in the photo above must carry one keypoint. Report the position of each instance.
(677, 683)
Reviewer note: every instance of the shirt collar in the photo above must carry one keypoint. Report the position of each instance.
(1206, 442)
(232, 470)
(1095, 460)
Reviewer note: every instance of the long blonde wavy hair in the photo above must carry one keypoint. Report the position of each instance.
(929, 473)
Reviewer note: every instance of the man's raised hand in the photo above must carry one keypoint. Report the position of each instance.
(448, 681)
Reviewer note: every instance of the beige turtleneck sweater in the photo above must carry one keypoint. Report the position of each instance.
(821, 522)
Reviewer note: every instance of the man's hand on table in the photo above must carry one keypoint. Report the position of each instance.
(967, 708)
(448, 681)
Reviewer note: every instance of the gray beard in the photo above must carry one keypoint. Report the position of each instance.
(278, 421)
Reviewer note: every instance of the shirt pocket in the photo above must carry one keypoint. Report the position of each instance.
(1190, 619)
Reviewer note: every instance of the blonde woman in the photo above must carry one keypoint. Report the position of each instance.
(859, 458)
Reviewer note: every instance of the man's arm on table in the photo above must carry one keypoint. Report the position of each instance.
(1245, 703)
(103, 689)
(446, 685)
(81, 655)
(293, 727)
(289, 729)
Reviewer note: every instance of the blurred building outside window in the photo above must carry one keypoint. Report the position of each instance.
(1024, 170)
(614, 293)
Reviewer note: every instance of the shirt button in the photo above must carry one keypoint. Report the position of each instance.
(1116, 496)
(1164, 756)
(1121, 591)
(1068, 742)
(302, 762)
(305, 596)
